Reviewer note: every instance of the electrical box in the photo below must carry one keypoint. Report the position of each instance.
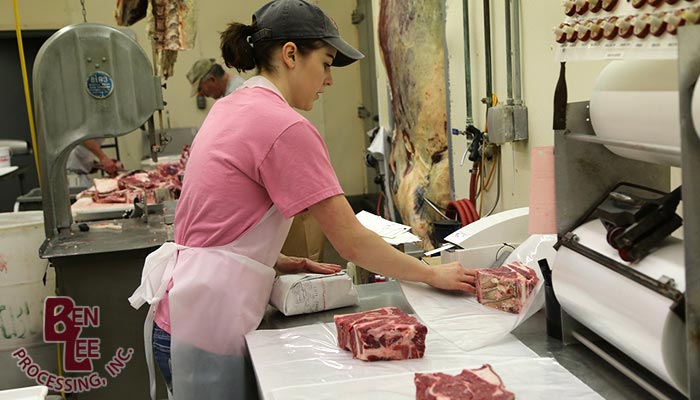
(500, 120)
(507, 123)
(520, 131)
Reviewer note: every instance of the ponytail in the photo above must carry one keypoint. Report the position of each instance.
(240, 54)
(235, 49)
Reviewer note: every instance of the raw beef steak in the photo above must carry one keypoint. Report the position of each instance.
(505, 288)
(477, 384)
(382, 334)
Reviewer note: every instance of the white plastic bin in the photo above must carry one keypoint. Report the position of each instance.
(22, 294)
(25, 393)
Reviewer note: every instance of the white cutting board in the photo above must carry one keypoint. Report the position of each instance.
(85, 209)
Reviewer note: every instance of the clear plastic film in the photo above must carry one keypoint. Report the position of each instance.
(305, 362)
(465, 322)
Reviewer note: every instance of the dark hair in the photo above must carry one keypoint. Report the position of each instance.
(240, 54)
(216, 70)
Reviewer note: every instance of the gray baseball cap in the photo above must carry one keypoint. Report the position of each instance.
(197, 72)
(299, 19)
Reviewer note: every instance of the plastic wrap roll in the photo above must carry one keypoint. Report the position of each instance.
(636, 320)
(637, 101)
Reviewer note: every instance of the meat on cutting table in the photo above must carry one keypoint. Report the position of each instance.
(382, 334)
(125, 188)
(475, 384)
(505, 288)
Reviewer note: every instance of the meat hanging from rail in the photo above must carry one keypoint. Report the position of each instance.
(171, 26)
(411, 35)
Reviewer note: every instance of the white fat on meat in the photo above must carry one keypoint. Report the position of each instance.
(105, 185)
(505, 288)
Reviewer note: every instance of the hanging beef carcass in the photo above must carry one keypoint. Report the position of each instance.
(411, 34)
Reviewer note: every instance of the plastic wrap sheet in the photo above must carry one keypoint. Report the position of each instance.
(533, 378)
(465, 322)
(309, 355)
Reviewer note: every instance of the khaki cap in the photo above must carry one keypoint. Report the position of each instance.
(198, 71)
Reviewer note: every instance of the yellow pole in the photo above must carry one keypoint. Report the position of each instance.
(60, 362)
(27, 97)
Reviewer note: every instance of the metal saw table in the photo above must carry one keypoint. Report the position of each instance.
(102, 268)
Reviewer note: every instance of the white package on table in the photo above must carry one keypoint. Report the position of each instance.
(295, 294)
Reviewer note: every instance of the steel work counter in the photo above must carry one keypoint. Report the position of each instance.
(581, 362)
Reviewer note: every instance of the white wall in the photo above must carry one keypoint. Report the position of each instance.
(334, 115)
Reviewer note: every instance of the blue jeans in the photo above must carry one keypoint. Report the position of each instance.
(161, 354)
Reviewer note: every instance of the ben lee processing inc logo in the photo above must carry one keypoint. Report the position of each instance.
(64, 323)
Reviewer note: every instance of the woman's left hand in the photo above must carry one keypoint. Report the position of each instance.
(291, 265)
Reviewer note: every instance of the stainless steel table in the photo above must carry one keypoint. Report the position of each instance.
(580, 361)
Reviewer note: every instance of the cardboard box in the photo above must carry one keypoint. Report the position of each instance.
(305, 239)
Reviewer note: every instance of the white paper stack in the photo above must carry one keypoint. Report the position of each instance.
(392, 232)
(295, 294)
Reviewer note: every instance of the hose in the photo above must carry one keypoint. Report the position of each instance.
(464, 210)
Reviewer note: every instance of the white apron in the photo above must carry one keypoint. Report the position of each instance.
(219, 294)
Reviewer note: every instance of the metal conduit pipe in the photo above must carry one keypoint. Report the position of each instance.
(467, 62)
(498, 186)
(509, 57)
(516, 53)
(487, 52)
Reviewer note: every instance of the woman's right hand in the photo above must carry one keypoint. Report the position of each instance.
(452, 276)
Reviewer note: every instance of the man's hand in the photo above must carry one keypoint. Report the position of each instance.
(291, 265)
(111, 167)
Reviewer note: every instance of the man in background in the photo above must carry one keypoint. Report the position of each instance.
(209, 79)
(81, 162)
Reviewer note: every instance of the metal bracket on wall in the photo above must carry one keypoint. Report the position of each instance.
(357, 17)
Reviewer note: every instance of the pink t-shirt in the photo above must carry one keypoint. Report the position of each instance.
(252, 151)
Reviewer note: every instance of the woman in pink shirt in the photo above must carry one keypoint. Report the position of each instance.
(254, 165)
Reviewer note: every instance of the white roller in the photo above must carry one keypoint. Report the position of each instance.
(695, 109)
(637, 101)
(636, 320)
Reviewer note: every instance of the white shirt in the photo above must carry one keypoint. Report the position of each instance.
(234, 82)
(81, 159)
